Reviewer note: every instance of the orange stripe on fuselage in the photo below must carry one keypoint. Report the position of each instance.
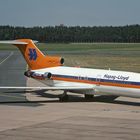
(96, 82)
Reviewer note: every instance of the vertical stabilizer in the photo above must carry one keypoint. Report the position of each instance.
(33, 56)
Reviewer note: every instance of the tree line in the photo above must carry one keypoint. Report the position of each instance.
(65, 34)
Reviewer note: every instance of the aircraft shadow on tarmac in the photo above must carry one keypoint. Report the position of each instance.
(55, 99)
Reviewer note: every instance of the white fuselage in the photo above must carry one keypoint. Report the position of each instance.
(104, 82)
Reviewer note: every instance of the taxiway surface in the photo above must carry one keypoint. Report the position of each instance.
(47, 118)
(12, 68)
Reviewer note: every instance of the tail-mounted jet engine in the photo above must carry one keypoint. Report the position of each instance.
(52, 61)
(35, 75)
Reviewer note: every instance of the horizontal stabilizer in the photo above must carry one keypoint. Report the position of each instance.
(15, 42)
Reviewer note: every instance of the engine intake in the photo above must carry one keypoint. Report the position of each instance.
(28, 73)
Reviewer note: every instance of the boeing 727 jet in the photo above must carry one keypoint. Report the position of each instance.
(51, 71)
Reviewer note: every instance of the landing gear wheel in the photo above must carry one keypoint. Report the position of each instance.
(89, 97)
(64, 97)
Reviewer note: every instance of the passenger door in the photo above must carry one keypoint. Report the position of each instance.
(98, 80)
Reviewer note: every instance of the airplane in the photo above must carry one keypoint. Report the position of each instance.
(51, 71)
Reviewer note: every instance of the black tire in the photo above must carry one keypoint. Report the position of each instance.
(63, 98)
(89, 97)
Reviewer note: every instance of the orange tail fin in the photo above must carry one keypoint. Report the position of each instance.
(33, 56)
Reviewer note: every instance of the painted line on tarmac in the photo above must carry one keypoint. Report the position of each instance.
(7, 58)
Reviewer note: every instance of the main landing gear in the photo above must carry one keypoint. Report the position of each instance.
(89, 97)
(64, 97)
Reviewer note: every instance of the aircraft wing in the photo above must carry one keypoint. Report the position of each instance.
(53, 88)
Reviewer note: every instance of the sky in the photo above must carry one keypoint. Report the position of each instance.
(31, 13)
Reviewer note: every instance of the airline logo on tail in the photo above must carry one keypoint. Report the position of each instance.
(32, 54)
